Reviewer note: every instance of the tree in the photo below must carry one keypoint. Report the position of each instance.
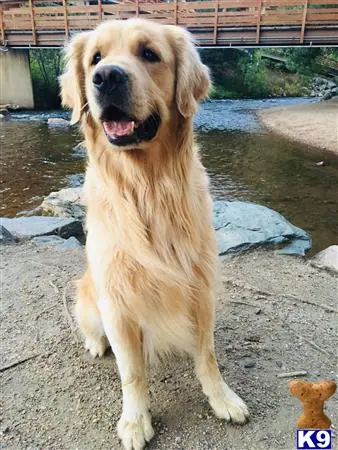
(46, 67)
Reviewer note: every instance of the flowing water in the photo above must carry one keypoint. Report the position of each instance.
(244, 162)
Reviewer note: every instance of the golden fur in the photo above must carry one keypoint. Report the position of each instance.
(149, 286)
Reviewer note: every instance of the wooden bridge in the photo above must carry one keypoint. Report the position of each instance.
(214, 23)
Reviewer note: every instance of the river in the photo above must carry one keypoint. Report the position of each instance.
(243, 161)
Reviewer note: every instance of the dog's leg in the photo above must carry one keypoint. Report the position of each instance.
(225, 403)
(134, 427)
(88, 317)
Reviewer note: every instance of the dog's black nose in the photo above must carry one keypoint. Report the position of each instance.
(108, 78)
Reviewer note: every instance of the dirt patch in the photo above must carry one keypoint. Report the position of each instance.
(275, 314)
(314, 124)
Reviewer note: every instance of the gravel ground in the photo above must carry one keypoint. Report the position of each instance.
(275, 314)
(313, 124)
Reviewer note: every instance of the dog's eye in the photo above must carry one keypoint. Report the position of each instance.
(149, 55)
(96, 58)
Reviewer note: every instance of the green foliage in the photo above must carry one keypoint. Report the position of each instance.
(236, 73)
(251, 73)
(46, 66)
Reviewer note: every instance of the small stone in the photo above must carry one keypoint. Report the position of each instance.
(327, 258)
(80, 150)
(249, 363)
(57, 122)
(253, 338)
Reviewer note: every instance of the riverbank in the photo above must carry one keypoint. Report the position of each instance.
(314, 124)
(56, 396)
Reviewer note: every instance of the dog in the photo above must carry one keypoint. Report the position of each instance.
(149, 286)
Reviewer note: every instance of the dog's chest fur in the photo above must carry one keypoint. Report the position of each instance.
(144, 246)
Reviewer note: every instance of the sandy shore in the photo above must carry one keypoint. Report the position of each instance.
(315, 124)
(275, 315)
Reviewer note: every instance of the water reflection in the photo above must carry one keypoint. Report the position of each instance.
(255, 166)
(278, 173)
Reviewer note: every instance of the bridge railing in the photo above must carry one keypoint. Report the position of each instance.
(214, 22)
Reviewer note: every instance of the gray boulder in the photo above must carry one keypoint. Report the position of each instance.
(242, 226)
(4, 113)
(58, 122)
(5, 236)
(327, 259)
(56, 242)
(28, 227)
(65, 203)
(80, 150)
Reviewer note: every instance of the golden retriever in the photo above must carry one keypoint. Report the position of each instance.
(149, 286)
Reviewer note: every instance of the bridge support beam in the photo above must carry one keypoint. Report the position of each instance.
(15, 79)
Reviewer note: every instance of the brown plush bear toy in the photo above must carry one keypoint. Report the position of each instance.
(313, 396)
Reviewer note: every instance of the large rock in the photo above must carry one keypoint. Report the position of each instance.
(56, 242)
(327, 259)
(241, 226)
(65, 203)
(80, 150)
(28, 227)
(5, 236)
(323, 87)
(58, 122)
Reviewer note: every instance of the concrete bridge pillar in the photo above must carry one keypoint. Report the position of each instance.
(15, 79)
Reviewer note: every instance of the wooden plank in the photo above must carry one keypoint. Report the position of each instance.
(328, 18)
(13, 25)
(282, 3)
(319, 2)
(92, 9)
(324, 11)
(50, 25)
(197, 5)
(157, 7)
(196, 21)
(258, 24)
(236, 4)
(237, 13)
(250, 20)
(175, 13)
(277, 21)
(157, 17)
(32, 21)
(215, 24)
(119, 8)
(47, 10)
(64, 5)
(302, 31)
(2, 26)
(283, 13)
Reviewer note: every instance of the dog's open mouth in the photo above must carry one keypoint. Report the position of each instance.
(122, 129)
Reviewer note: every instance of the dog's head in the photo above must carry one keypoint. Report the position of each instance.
(133, 76)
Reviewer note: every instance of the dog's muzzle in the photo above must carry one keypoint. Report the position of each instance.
(112, 91)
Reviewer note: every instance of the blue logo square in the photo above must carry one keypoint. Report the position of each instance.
(314, 439)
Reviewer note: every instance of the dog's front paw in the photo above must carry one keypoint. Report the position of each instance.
(229, 406)
(135, 434)
(96, 347)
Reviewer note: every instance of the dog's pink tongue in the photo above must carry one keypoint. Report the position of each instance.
(122, 128)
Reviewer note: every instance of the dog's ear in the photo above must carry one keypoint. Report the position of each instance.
(72, 81)
(192, 76)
